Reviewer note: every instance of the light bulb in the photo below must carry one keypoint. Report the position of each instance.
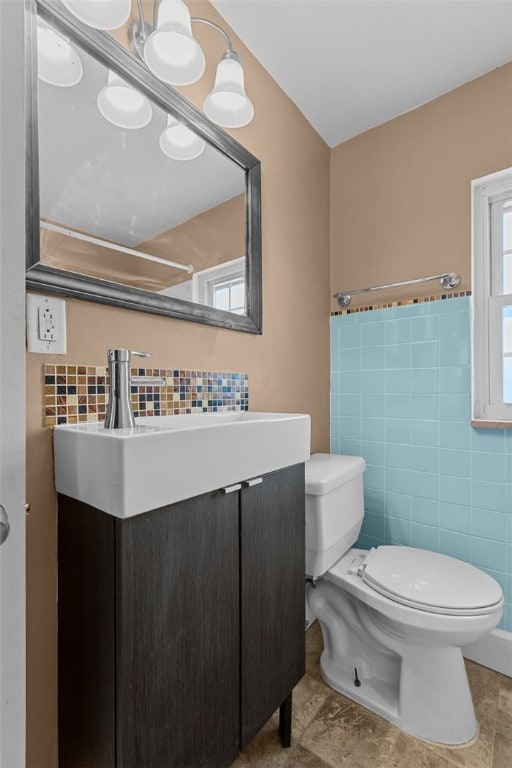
(180, 143)
(100, 14)
(123, 105)
(57, 61)
(228, 105)
(171, 51)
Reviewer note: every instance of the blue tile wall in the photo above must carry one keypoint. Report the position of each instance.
(400, 397)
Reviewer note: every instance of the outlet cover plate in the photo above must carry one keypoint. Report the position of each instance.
(54, 312)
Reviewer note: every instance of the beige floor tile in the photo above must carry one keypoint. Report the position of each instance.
(345, 734)
(308, 697)
(303, 758)
(314, 647)
(502, 753)
(265, 750)
(411, 753)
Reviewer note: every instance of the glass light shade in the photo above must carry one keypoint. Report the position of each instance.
(58, 63)
(100, 14)
(123, 105)
(171, 51)
(228, 105)
(180, 143)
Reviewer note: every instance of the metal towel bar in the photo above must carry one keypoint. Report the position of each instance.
(447, 280)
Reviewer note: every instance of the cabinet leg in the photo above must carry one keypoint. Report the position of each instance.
(285, 721)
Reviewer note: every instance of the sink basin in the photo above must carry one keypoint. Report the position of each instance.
(165, 459)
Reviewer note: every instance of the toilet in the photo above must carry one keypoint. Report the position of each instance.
(393, 619)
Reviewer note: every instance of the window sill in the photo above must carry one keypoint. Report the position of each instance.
(482, 424)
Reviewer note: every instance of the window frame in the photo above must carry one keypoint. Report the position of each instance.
(487, 304)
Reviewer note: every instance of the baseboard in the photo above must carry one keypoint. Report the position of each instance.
(493, 651)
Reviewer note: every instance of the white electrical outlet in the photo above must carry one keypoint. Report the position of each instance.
(46, 324)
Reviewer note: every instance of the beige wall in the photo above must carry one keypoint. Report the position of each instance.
(288, 365)
(400, 193)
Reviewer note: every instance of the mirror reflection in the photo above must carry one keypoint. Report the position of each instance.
(129, 194)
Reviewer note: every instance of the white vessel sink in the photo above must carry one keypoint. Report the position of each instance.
(164, 459)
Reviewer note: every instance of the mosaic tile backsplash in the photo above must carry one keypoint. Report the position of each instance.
(400, 397)
(77, 393)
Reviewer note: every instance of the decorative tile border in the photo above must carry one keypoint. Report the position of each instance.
(78, 393)
(401, 303)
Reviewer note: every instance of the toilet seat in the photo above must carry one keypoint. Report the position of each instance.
(429, 581)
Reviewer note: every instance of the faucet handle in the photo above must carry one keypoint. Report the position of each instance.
(124, 355)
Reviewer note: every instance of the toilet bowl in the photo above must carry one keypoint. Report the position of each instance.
(393, 619)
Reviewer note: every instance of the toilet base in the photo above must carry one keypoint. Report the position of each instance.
(422, 690)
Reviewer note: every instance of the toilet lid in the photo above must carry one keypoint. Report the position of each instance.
(429, 581)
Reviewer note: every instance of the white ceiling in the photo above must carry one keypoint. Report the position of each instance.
(350, 65)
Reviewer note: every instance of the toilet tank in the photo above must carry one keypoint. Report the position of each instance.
(334, 508)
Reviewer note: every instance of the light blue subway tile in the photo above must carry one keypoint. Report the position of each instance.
(398, 331)
(350, 428)
(373, 334)
(397, 356)
(488, 525)
(335, 405)
(349, 447)
(489, 466)
(350, 336)
(492, 440)
(374, 453)
(335, 426)
(373, 525)
(425, 458)
(455, 517)
(425, 537)
(397, 505)
(425, 407)
(425, 511)
(425, 381)
(398, 480)
(488, 495)
(425, 328)
(351, 381)
(374, 500)
(372, 316)
(455, 407)
(454, 379)
(455, 463)
(425, 354)
(398, 431)
(335, 360)
(397, 382)
(368, 542)
(372, 382)
(372, 358)
(373, 429)
(456, 325)
(455, 544)
(349, 359)
(508, 498)
(455, 352)
(373, 404)
(509, 528)
(456, 490)
(398, 406)
(374, 477)
(455, 435)
(508, 468)
(459, 304)
(336, 383)
(335, 445)
(425, 485)
(490, 554)
(349, 404)
(425, 433)
(508, 440)
(508, 617)
(398, 531)
(398, 455)
(410, 310)
(346, 319)
(509, 559)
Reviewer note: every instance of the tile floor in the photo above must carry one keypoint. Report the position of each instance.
(330, 731)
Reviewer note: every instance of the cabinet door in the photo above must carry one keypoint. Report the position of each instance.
(272, 595)
(178, 635)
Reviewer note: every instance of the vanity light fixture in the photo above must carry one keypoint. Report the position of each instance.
(58, 63)
(123, 105)
(170, 51)
(100, 14)
(180, 143)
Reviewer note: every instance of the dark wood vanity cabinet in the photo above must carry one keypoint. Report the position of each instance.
(181, 630)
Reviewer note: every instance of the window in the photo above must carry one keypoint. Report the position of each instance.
(222, 287)
(492, 302)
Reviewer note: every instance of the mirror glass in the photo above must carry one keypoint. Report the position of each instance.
(128, 194)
